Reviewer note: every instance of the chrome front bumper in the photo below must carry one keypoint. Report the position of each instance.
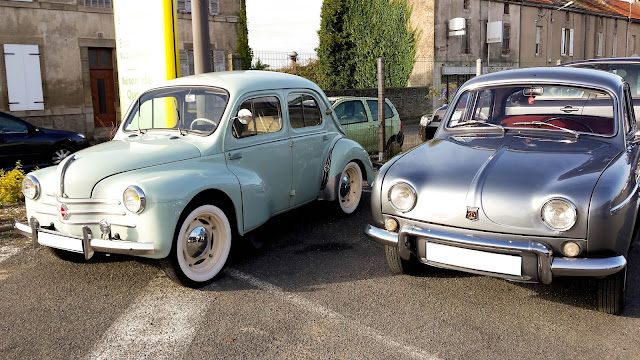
(86, 244)
(547, 264)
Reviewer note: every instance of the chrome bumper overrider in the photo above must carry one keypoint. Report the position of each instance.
(86, 244)
(548, 265)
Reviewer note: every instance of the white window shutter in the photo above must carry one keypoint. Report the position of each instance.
(214, 7)
(571, 42)
(24, 82)
(563, 49)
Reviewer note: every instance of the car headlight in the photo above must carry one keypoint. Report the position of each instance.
(30, 187)
(402, 197)
(559, 214)
(134, 199)
(425, 120)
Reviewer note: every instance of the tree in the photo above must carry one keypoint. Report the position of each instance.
(242, 34)
(354, 33)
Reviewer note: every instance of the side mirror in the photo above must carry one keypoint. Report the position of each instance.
(245, 116)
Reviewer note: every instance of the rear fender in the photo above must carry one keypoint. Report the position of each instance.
(344, 152)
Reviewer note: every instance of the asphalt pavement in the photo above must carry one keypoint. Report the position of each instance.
(318, 289)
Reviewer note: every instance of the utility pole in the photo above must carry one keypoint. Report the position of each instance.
(200, 26)
(381, 122)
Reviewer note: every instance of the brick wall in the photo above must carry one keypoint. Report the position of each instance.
(410, 102)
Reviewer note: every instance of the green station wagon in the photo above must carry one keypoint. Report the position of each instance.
(359, 119)
(196, 160)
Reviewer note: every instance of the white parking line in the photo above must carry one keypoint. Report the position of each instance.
(7, 252)
(160, 324)
(408, 350)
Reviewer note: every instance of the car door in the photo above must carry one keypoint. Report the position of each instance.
(17, 143)
(353, 118)
(258, 152)
(391, 120)
(310, 142)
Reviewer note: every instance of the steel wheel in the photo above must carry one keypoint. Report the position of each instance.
(60, 153)
(350, 189)
(203, 244)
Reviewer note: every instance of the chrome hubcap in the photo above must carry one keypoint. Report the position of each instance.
(345, 185)
(60, 155)
(200, 241)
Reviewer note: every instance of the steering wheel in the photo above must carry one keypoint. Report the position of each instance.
(570, 119)
(205, 120)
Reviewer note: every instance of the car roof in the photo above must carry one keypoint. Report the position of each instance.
(244, 81)
(630, 59)
(336, 98)
(549, 75)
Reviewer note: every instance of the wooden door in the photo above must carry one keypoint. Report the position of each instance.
(102, 87)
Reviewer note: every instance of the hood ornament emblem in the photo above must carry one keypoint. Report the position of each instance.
(472, 213)
(64, 212)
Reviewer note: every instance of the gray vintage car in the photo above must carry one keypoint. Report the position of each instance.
(533, 174)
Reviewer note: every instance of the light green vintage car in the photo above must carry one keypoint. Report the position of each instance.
(196, 160)
(359, 119)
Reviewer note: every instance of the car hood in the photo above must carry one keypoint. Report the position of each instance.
(82, 171)
(507, 178)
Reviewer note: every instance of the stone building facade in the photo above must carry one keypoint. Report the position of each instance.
(59, 59)
(530, 33)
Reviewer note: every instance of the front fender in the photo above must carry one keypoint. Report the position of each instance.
(172, 187)
(613, 209)
(344, 152)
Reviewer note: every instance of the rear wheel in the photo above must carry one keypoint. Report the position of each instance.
(398, 265)
(350, 190)
(611, 291)
(201, 246)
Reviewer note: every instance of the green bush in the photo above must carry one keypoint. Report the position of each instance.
(11, 185)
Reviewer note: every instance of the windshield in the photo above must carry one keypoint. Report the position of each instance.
(545, 107)
(190, 109)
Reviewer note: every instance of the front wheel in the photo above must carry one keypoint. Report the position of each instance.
(611, 290)
(350, 189)
(59, 153)
(400, 266)
(201, 247)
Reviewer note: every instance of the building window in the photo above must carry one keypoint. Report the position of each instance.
(566, 42)
(24, 81)
(214, 7)
(465, 39)
(506, 8)
(465, 4)
(538, 33)
(506, 38)
(614, 45)
(601, 20)
(184, 6)
(567, 16)
(98, 3)
(600, 44)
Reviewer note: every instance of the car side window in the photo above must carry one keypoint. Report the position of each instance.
(460, 111)
(265, 117)
(10, 126)
(351, 112)
(373, 108)
(303, 111)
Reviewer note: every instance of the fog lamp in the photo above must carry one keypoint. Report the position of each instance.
(570, 249)
(391, 224)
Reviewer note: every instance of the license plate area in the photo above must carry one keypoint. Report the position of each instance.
(60, 241)
(471, 259)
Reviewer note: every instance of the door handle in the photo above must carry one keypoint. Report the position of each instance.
(235, 156)
(569, 109)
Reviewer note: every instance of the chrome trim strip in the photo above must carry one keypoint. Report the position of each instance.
(257, 144)
(588, 266)
(88, 201)
(91, 222)
(308, 134)
(46, 213)
(625, 201)
(65, 166)
(381, 236)
(96, 211)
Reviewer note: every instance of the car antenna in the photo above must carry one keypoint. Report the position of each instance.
(178, 115)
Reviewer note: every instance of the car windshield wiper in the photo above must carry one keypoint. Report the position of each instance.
(541, 123)
(476, 122)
